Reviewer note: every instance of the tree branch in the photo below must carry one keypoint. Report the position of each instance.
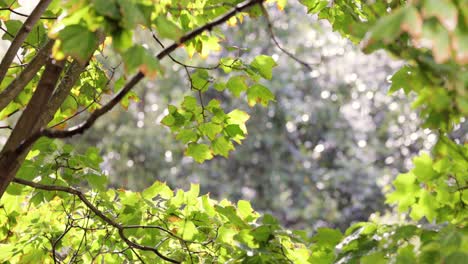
(37, 104)
(97, 212)
(236, 9)
(23, 15)
(81, 128)
(275, 41)
(28, 123)
(62, 91)
(21, 36)
(39, 111)
(17, 85)
(27, 131)
(181, 63)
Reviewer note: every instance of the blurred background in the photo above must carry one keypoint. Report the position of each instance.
(323, 154)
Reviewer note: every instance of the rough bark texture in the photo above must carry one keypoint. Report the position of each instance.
(29, 120)
(61, 92)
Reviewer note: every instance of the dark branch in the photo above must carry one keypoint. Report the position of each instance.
(23, 15)
(97, 212)
(181, 63)
(81, 128)
(17, 85)
(13, 36)
(21, 36)
(278, 45)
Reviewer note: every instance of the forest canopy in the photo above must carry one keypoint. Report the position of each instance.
(72, 70)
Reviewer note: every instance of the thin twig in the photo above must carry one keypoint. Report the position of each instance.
(96, 211)
(278, 45)
(81, 128)
(21, 36)
(24, 15)
(17, 85)
(181, 63)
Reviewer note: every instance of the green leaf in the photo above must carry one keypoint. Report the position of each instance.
(222, 146)
(258, 93)
(236, 85)
(234, 130)
(130, 96)
(12, 27)
(208, 205)
(138, 57)
(187, 136)
(262, 233)
(75, 41)
(408, 79)
(237, 117)
(92, 158)
(246, 238)
(327, 237)
(456, 258)
(437, 38)
(264, 65)
(245, 210)
(445, 11)
(194, 192)
(98, 182)
(426, 206)
(374, 258)
(450, 238)
(423, 168)
(406, 255)
(158, 189)
(268, 219)
(35, 39)
(230, 213)
(7, 251)
(389, 27)
(189, 230)
(174, 119)
(314, 6)
(108, 8)
(122, 39)
(131, 14)
(35, 255)
(200, 80)
(226, 234)
(168, 29)
(219, 86)
(199, 152)
(190, 103)
(405, 232)
(210, 130)
(28, 171)
(405, 192)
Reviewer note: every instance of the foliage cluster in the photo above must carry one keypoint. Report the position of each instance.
(47, 217)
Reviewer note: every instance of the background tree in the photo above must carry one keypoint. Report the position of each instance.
(71, 67)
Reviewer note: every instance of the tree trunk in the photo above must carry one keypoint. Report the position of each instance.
(10, 160)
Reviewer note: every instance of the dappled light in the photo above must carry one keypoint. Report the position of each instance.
(227, 131)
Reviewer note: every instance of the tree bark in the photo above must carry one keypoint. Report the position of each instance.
(29, 131)
(10, 161)
(17, 85)
(40, 111)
